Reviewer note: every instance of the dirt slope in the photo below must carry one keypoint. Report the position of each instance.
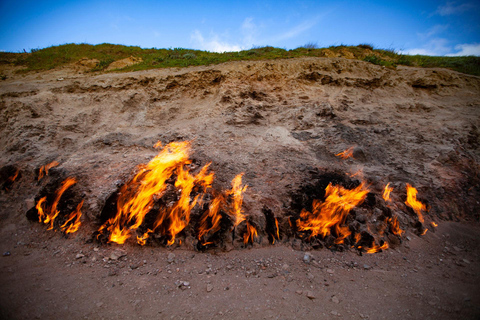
(281, 122)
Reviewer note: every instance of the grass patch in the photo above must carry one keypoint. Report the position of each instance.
(57, 56)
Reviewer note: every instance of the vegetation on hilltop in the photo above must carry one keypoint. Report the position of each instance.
(57, 56)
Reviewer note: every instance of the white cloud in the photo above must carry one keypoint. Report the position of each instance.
(467, 49)
(452, 7)
(297, 30)
(435, 47)
(213, 43)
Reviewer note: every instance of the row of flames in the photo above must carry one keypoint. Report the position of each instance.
(137, 199)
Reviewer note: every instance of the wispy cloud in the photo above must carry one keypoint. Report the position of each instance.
(298, 29)
(453, 7)
(434, 47)
(435, 30)
(213, 43)
(467, 49)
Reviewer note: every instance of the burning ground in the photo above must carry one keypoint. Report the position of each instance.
(335, 157)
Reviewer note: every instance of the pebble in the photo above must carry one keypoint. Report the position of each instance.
(6, 253)
(335, 299)
(79, 256)
(330, 271)
(171, 257)
(310, 295)
(366, 266)
(209, 287)
(307, 258)
(117, 254)
(99, 304)
(299, 292)
(335, 313)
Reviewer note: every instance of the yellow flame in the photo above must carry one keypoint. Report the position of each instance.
(73, 219)
(386, 192)
(332, 213)
(44, 169)
(413, 203)
(346, 154)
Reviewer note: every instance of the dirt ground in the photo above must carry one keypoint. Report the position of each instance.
(279, 122)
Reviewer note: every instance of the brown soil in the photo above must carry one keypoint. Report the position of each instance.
(280, 122)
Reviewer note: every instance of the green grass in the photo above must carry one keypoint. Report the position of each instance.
(57, 56)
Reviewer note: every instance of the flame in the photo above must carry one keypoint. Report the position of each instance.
(333, 212)
(250, 234)
(143, 239)
(157, 145)
(413, 203)
(395, 226)
(44, 169)
(137, 197)
(424, 231)
(376, 248)
(74, 219)
(236, 192)
(386, 192)
(278, 230)
(434, 224)
(346, 154)
(40, 210)
(14, 177)
(210, 220)
(48, 216)
(149, 184)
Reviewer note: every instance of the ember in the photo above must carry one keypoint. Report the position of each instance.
(346, 154)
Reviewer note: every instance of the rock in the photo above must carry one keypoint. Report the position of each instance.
(6, 253)
(335, 299)
(186, 283)
(330, 271)
(366, 267)
(209, 287)
(99, 304)
(310, 295)
(171, 257)
(466, 261)
(307, 258)
(134, 266)
(117, 254)
(285, 266)
(335, 313)
(79, 256)
(112, 273)
(299, 292)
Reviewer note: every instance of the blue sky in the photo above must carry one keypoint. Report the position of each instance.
(415, 27)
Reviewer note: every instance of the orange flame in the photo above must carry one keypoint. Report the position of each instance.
(157, 145)
(377, 248)
(210, 220)
(413, 203)
(346, 154)
(44, 169)
(250, 234)
(73, 219)
(137, 197)
(434, 224)
(386, 192)
(236, 192)
(14, 177)
(424, 231)
(278, 230)
(48, 216)
(395, 226)
(333, 212)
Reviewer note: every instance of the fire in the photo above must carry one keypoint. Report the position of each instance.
(424, 232)
(15, 176)
(346, 154)
(376, 248)
(386, 192)
(395, 226)
(332, 213)
(48, 216)
(413, 203)
(44, 169)
(434, 224)
(73, 219)
(137, 197)
(250, 234)
(278, 230)
(210, 220)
